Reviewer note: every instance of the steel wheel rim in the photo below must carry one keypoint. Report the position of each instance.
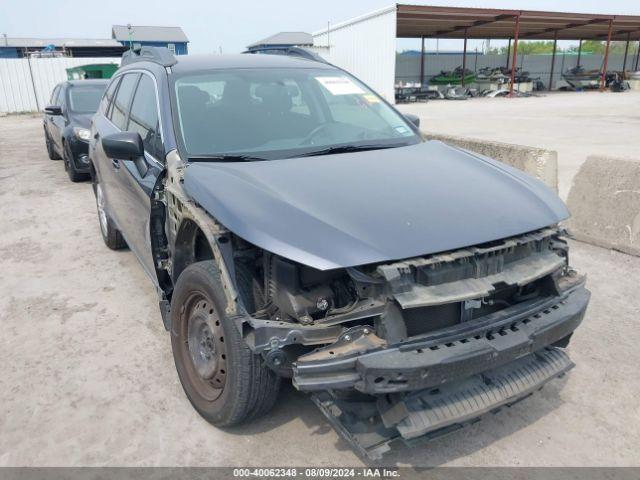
(204, 348)
(102, 214)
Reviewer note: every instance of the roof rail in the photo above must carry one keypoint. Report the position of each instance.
(160, 55)
(287, 50)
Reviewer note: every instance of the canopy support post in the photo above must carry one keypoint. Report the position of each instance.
(626, 52)
(515, 54)
(508, 53)
(579, 53)
(637, 56)
(606, 57)
(553, 59)
(422, 64)
(464, 56)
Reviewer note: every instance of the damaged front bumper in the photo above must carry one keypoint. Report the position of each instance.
(370, 427)
(426, 387)
(358, 362)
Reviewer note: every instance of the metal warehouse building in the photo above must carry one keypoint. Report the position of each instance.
(366, 45)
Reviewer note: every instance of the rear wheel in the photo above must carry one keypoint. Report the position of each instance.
(110, 234)
(51, 151)
(222, 378)
(70, 166)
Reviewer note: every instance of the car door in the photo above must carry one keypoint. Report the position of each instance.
(108, 169)
(48, 119)
(136, 179)
(58, 122)
(100, 126)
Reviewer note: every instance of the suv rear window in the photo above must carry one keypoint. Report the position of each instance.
(85, 98)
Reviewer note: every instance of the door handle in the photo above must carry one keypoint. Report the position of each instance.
(115, 163)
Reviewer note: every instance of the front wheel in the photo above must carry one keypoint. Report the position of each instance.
(70, 166)
(110, 234)
(223, 379)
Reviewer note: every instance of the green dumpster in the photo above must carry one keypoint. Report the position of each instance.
(95, 70)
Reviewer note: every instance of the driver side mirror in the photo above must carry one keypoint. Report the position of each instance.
(123, 145)
(53, 110)
(413, 119)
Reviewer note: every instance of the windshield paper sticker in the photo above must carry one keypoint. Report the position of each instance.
(340, 85)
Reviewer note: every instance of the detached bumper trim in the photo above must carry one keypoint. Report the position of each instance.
(431, 413)
(455, 404)
(402, 369)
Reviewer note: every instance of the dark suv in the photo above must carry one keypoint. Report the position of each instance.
(67, 123)
(297, 226)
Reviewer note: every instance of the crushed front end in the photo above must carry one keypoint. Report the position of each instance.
(415, 349)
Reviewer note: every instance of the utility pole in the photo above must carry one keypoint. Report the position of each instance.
(130, 32)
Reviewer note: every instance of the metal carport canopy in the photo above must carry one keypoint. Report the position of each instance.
(415, 21)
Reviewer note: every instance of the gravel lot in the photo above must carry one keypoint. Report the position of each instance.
(88, 378)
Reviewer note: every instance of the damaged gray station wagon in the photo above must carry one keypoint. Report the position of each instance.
(298, 227)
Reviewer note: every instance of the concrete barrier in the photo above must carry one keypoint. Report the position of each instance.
(604, 202)
(538, 162)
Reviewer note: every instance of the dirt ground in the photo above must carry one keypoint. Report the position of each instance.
(575, 124)
(87, 376)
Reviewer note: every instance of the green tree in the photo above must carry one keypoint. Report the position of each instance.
(595, 46)
(531, 47)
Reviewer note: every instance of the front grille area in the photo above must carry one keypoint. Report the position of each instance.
(474, 262)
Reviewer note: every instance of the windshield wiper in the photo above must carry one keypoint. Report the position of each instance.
(225, 158)
(346, 149)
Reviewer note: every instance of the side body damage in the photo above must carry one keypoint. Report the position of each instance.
(408, 349)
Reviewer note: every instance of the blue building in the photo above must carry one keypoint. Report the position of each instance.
(135, 35)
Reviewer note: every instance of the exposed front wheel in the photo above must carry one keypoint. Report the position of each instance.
(224, 381)
(110, 234)
(70, 166)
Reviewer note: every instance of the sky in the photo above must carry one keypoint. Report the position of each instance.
(229, 26)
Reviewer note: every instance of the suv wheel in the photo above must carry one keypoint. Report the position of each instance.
(70, 166)
(51, 151)
(222, 378)
(110, 234)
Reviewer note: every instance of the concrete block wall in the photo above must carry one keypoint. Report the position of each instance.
(604, 202)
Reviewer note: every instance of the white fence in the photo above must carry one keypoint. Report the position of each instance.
(26, 84)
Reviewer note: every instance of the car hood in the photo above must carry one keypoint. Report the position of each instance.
(366, 207)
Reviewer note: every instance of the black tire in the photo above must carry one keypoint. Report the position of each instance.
(70, 166)
(236, 387)
(51, 151)
(110, 234)
(250, 288)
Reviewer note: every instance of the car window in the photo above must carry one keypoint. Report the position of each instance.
(280, 113)
(54, 95)
(59, 100)
(108, 95)
(144, 114)
(123, 99)
(352, 109)
(84, 98)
